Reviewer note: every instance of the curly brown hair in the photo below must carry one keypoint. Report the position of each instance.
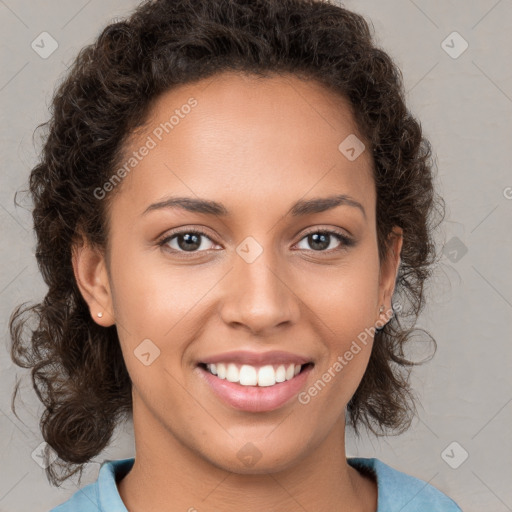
(107, 94)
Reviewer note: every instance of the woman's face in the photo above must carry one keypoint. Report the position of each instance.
(263, 277)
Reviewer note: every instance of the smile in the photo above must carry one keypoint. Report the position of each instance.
(252, 388)
(249, 375)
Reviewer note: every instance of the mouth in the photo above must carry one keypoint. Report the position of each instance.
(254, 388)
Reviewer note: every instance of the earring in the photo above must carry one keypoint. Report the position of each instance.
(100, 314)
(381, 309)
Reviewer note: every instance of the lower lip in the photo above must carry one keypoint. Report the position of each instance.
(256, 398)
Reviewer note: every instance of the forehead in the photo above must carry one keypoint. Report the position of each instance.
(235, 137)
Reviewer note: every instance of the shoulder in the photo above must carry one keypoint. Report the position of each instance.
(101, 495)
(399, 491)
(83, 500)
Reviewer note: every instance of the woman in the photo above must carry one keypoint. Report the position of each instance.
(230, 198)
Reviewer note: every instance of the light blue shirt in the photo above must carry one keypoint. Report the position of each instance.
(397, 491)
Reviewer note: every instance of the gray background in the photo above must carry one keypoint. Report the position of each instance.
(465, 107)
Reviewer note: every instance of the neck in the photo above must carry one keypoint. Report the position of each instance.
(168, 476)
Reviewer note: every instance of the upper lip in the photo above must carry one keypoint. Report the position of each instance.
(257, 358)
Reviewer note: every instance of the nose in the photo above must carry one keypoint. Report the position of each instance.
(259, 296)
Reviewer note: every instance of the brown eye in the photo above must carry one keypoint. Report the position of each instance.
(323, 240)
(186, 241)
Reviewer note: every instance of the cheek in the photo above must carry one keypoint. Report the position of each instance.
(151, 295)
(344, 303)
(160, 302)
(345, 298)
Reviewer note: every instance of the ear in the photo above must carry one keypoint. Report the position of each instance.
(92, 278)
(389, 271)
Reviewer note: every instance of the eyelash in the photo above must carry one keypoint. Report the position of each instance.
(346, 241)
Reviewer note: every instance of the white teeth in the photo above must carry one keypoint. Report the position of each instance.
(266, 376)
(232, 373)
(221, 370)
(280, 374)
(247, 375)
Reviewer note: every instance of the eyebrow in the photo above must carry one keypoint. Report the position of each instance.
(300, 208)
